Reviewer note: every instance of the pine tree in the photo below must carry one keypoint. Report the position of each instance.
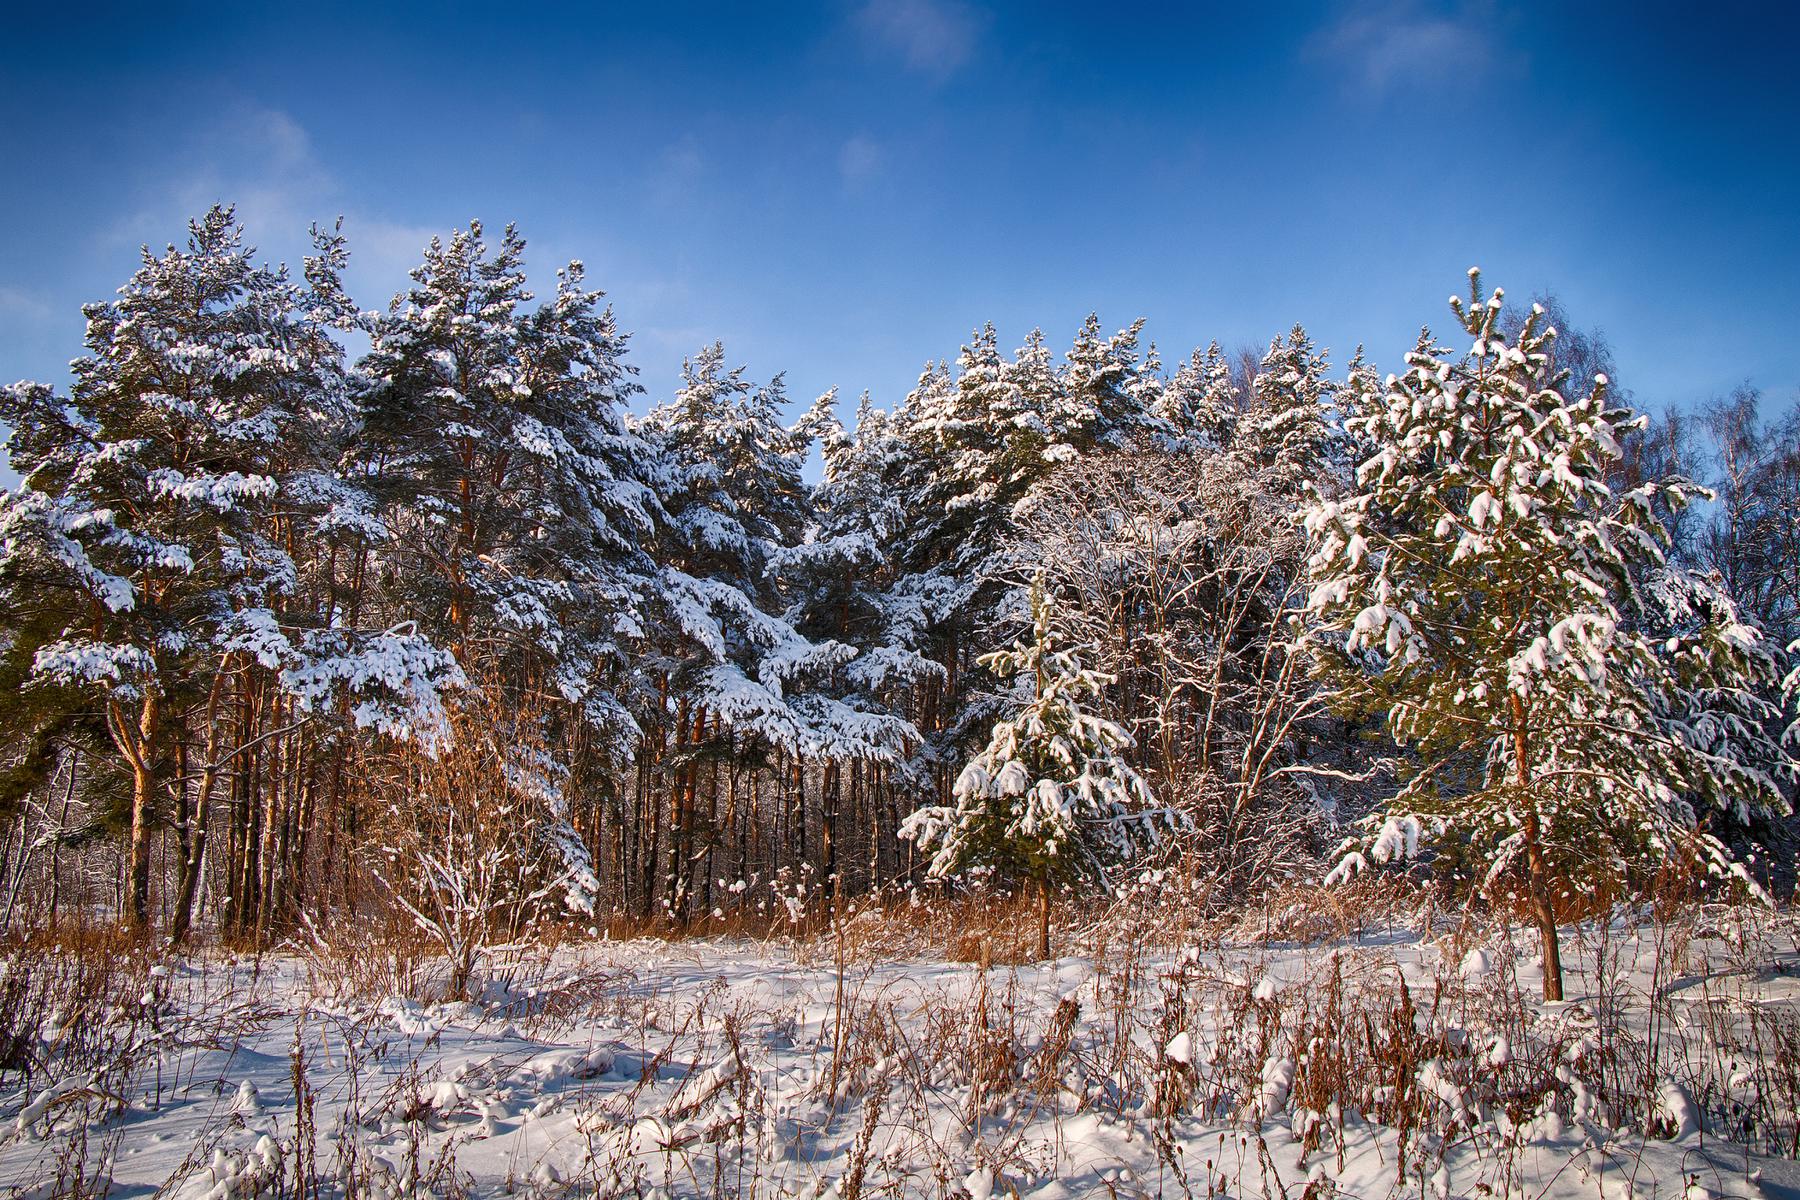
(742, 678)
(974, 444)
(1717, 697)
(518, 501)
(1290, 431)
(1476, 592)
(155, 500)
(1105, 400)
(1199, 403)
(495, 440)
(838, 577)
(737, 502)
(965, 448)
(1051, 797)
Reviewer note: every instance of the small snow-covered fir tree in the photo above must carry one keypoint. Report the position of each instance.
(1050, 797)
(1482, 591)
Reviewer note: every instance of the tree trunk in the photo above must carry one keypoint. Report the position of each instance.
(143, 794)
(1544, 909)
(1043, 946)
(193, 842)
(62, 823)
(1543, 906)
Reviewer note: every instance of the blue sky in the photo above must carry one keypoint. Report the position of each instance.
(845, 190)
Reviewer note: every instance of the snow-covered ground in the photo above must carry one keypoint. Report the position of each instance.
(1386, 1065)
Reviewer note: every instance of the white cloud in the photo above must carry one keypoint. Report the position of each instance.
(381, 255)
(931, 37)
(1378, 47)
(859, 160)
(261, 160)
(19, 303)
(264, 163)
(288, 146)
(675, 175)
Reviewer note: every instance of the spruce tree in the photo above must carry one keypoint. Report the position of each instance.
(1199, 403)
(1290, 432)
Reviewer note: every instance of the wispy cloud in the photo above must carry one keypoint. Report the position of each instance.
(859, 160)
(265, 163)
(1377, 48)
(931, 37)
(17, 302)
(381, 254)
(676, 173)
(261, 160)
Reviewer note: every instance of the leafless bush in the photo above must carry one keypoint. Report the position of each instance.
(477, 849)
(1183, 571)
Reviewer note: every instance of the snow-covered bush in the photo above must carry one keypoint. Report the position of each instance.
(1179, 573)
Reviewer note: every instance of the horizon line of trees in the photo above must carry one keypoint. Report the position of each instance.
(446, 632)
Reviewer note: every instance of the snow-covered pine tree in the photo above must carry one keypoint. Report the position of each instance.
(737, 501)
(1717, 693)
(837, 578)
(1050, 798)
(974, 444)
(835, 581)
(966, 446)
(1291, 431)
(155, 520)
(978, 440)
(495, 440)
(1104, 398)
(1474, 593)
(1146, 388)
(519, 501)
(1199, 403)
(741, 678)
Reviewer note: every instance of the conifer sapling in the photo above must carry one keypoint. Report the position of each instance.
(1050, 798)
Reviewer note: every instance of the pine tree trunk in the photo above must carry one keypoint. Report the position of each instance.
(143, 792)
(828, 830)
(62, 823)
(1537, 871)
(193, 841)
(138, 872)
(1544, 908)
(1043, 946)
(710, 845)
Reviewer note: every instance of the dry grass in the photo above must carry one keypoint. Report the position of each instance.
(914, 1086)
